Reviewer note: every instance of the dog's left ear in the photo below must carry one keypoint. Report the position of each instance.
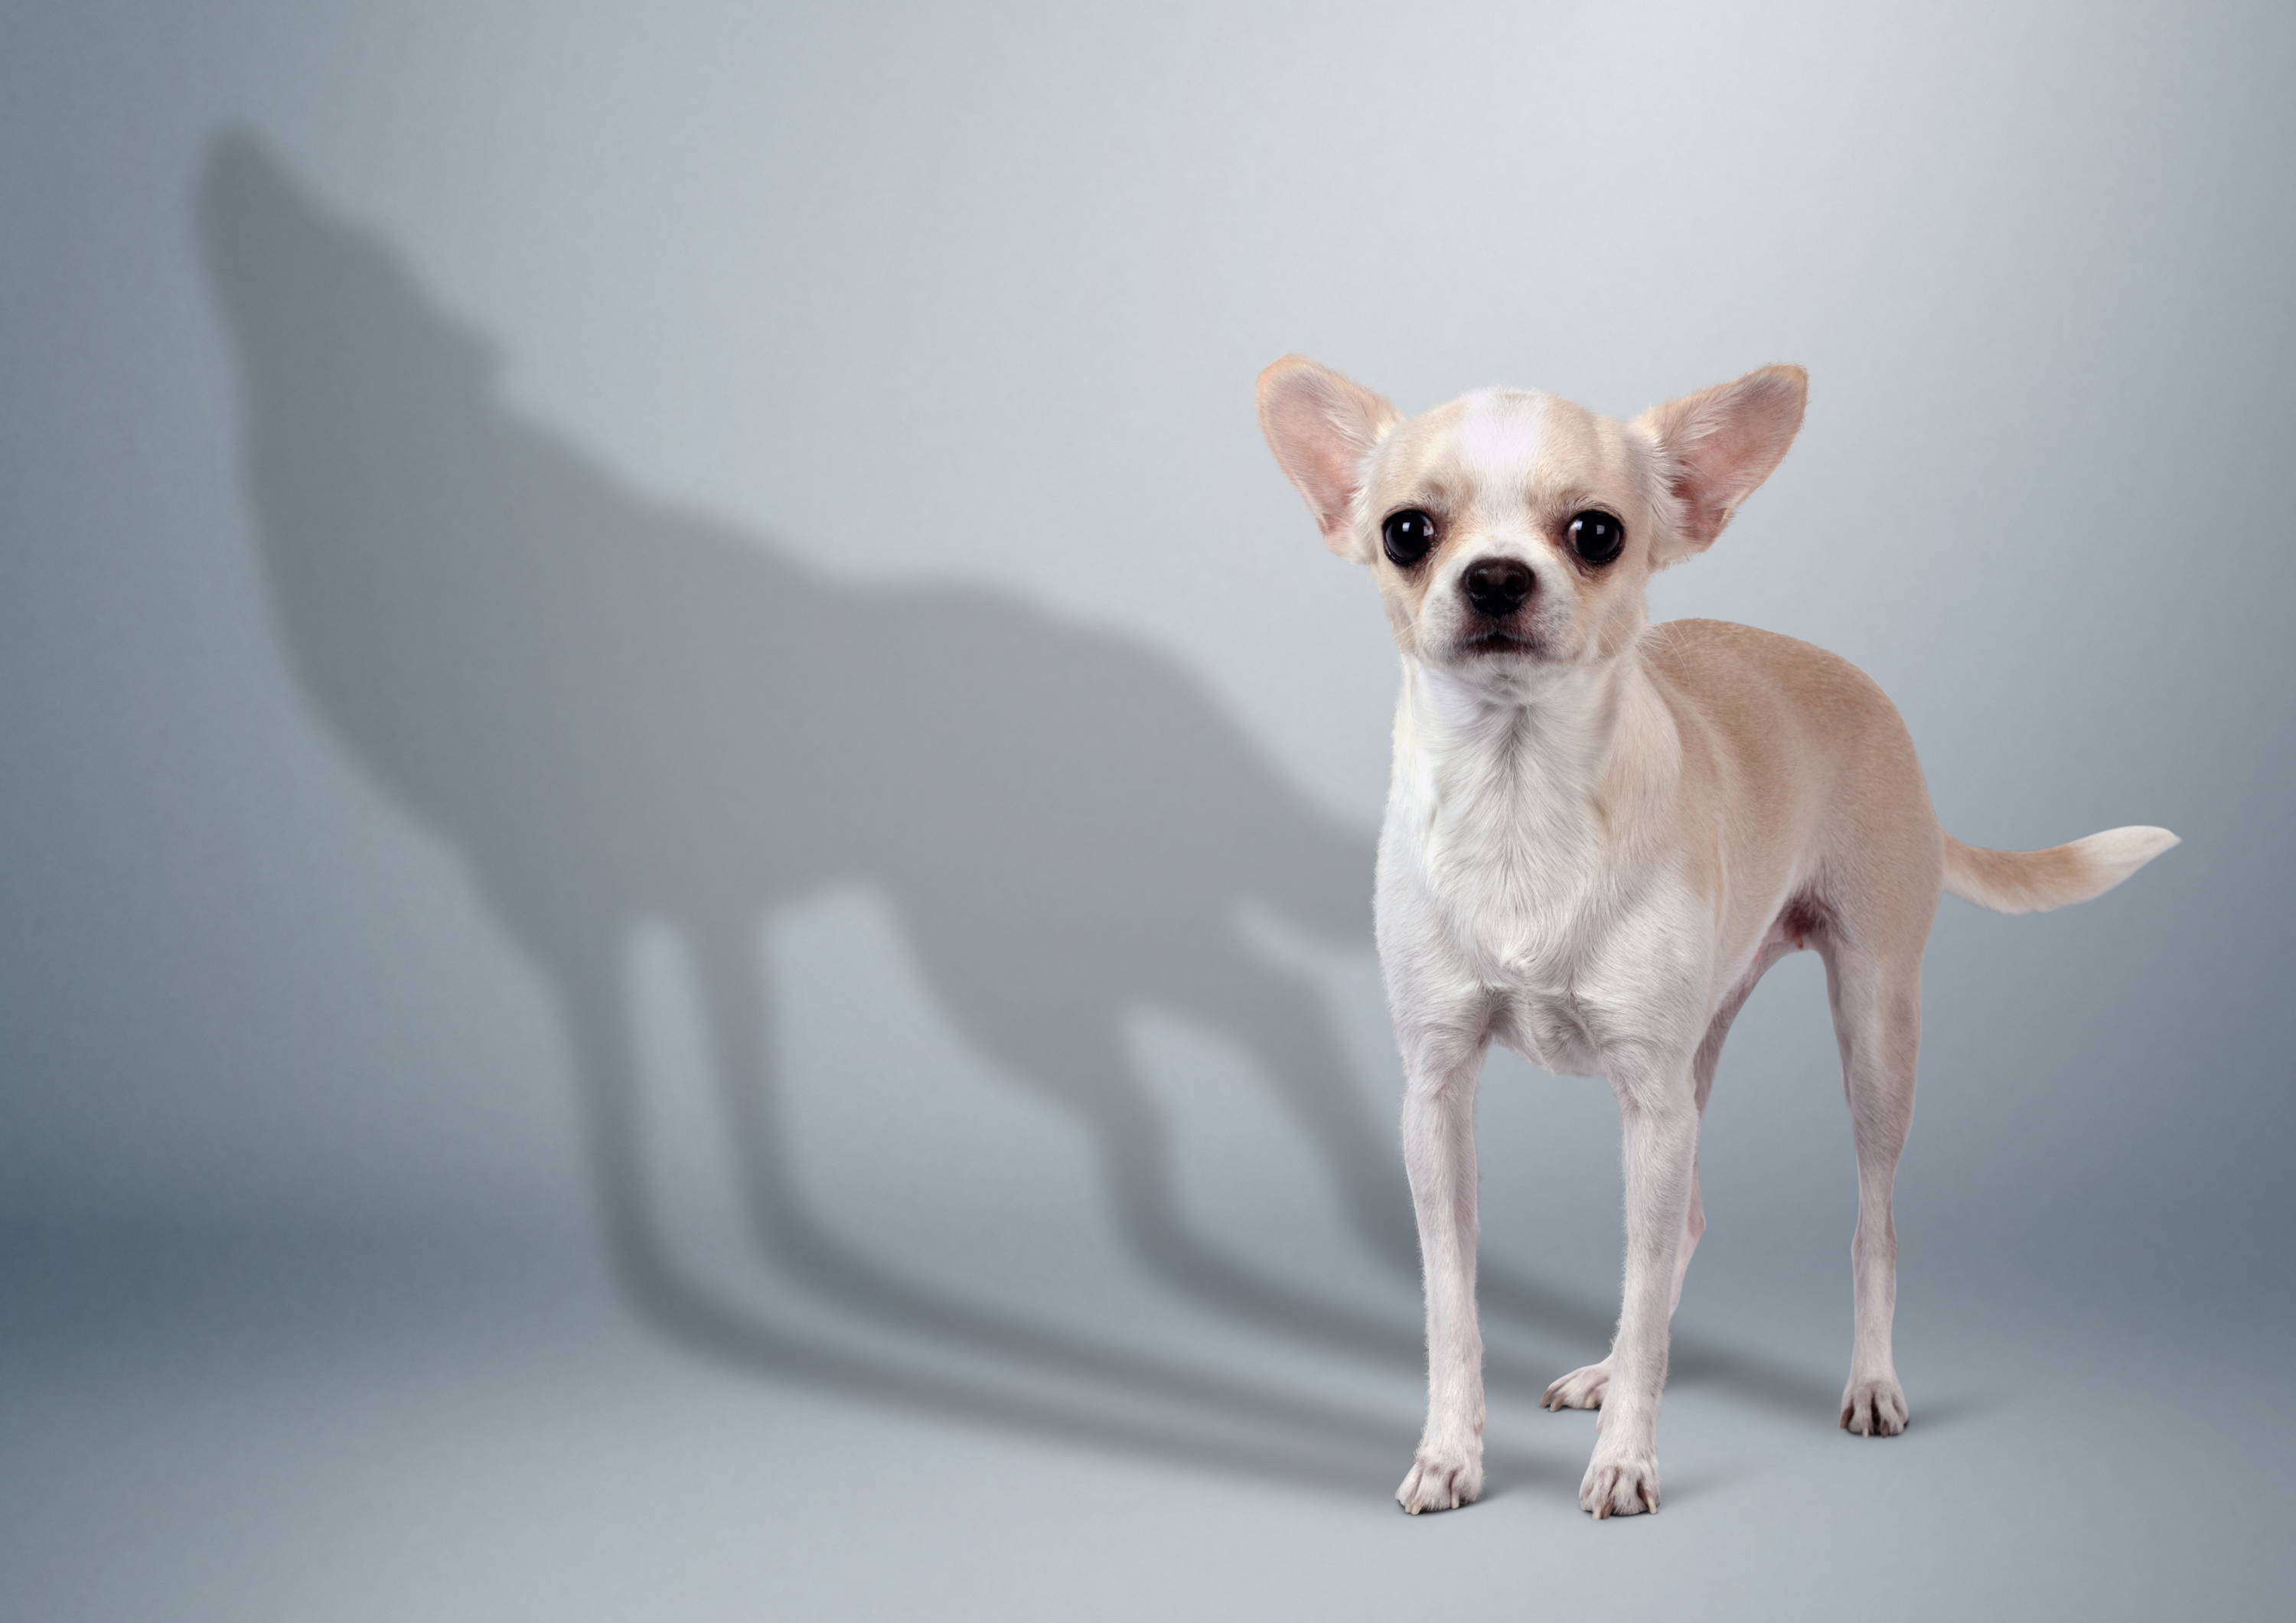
(1323, 429)
(1717, 445)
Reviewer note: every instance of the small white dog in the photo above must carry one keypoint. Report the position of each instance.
(1601, 834)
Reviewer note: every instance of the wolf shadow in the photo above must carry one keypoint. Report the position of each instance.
(615, 710)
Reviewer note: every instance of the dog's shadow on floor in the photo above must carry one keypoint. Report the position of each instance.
(617, 712)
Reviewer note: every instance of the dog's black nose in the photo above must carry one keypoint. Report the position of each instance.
(1498, 585)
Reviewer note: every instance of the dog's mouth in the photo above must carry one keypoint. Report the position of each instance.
(1498, 641)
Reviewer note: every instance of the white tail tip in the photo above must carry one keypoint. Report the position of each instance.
(2034, 881)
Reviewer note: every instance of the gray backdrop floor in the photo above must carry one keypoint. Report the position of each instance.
(199, 1428)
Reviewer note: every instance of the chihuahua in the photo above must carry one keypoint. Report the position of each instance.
(1601, 832)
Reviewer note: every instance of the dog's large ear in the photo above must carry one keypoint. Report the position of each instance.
(1717, 445)
(1323, 429)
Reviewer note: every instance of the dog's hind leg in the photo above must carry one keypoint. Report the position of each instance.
(1876, 997)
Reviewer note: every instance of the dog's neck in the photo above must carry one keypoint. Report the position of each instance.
(1546, 754)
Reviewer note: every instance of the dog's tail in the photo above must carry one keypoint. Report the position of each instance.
(2034, 881)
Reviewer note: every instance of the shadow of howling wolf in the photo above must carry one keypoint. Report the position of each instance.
(615, 710)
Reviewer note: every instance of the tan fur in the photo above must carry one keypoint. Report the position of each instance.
(1798, 770)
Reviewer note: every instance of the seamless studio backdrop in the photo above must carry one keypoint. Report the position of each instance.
(689, 819)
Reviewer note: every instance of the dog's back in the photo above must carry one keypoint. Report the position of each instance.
(1808, 741)
(1809, 765)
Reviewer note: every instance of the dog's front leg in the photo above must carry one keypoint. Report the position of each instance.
(1439, 1152)
(1658, 1114)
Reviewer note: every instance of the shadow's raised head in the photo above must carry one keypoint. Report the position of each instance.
(614, 709)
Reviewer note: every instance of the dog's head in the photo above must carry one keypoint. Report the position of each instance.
(1512, 534)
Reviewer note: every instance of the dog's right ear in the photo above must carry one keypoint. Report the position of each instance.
(1323, 429)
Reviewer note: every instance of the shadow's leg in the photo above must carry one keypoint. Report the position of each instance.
(1136, 1147)
(602, 1052)
(787, 1233)
(1280, 1021)
(1324, 1448)
(594, 1001)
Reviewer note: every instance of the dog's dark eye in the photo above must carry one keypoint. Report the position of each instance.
(1409, 536)
(1596, 536)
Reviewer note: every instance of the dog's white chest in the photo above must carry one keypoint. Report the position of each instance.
(1572, 955)
(1531, 928)
(1503, 888)
(1519, 904)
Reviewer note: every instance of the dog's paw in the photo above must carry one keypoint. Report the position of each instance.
(1619, 1484)
(1441, 1479)
(1874, 1406)
(1581, 1389)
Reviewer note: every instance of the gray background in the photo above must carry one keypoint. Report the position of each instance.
(688, 816)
